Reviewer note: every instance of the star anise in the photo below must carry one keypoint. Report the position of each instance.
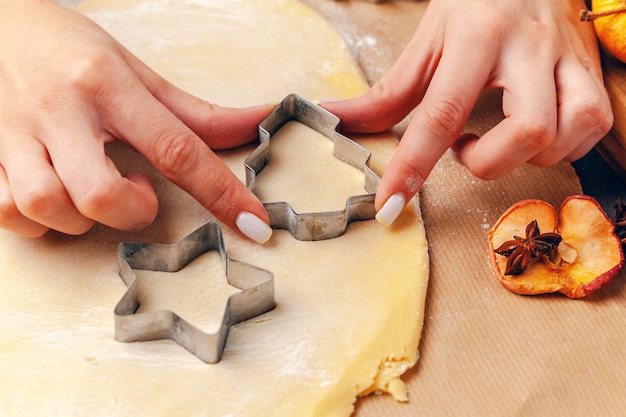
(522, 250)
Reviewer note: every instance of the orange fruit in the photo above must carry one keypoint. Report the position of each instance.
(610, 27)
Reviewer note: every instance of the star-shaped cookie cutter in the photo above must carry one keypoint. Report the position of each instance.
(255, 298)
(314, 225)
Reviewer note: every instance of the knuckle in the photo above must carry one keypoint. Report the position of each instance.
(88, 72)
(220, 201)
(86, 76)
(100, 198)
(595, 114)
(497, 30)
(8, 211)
(539, 132)
(175, 154)
(111, 202)
(38, 200)
(541, 28)
(445, 117)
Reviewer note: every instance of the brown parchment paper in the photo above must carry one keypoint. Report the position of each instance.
(486, 351)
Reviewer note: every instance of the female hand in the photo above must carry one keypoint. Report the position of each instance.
(538, 52)
(66, 89)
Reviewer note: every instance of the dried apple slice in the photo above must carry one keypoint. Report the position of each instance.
(588, 256)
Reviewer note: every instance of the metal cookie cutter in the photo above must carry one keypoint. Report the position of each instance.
(317, 225)
(255, 298)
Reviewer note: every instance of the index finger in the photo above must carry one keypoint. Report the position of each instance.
(435, 125)
(182, 157)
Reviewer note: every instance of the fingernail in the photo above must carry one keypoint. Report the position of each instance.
(391, 209)
(253, 227)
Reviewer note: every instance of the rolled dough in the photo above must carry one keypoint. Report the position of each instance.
(349, 310)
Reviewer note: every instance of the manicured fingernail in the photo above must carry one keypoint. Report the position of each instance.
(253, 227)
(391, 209)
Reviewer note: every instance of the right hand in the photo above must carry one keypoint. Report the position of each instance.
(546, 63)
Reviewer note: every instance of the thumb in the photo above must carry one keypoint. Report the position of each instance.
(224, 127)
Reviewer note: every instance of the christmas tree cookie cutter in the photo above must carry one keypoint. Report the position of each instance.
(313, 225)
(255, 298)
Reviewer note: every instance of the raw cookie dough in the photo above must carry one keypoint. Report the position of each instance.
(349, 310)
(326, 176)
